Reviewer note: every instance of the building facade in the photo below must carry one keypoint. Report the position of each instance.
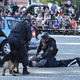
(23, 2)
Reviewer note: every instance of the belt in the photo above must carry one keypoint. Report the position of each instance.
(15, 36)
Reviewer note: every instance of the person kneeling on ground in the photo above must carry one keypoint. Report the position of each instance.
(47, 59)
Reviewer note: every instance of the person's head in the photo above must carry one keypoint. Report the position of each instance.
(58, 15)
(70, 7)
(73, 11)
(27, 20)
(39, 15)
(45, 15)
(56, 20)
(61, 10)
(50, 23)
(53, 4)
(45, 37)
(39, 7)
(63, 5)
(75, 6)
(15, 3)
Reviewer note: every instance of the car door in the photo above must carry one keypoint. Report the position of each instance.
(2, 34)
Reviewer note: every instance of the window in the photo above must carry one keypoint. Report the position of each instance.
(11, 23)
(2, 24)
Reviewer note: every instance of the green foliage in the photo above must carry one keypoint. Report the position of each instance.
(59, 1)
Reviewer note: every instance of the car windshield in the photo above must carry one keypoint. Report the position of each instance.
(11, 23)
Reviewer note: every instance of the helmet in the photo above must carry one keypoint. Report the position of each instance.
(27, 18)
(45, 35)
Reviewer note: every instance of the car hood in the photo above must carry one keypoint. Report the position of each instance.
(29, 9)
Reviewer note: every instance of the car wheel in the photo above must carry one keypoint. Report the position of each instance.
(5, 47)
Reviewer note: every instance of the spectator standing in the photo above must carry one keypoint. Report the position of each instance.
(53, 9)
(15, 7)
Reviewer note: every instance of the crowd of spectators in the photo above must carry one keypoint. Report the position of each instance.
(54, 19)
(45, 18)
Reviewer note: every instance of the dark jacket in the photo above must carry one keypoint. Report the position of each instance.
(23, 30)
(49, 48)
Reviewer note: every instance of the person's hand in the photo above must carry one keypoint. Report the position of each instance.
(40, 56)
(36, 54)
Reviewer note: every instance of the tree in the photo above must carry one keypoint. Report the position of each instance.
(59, 1)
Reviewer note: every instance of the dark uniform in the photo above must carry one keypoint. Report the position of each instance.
(50, 50)
(19, 36)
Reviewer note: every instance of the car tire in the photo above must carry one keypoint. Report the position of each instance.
(5, 47)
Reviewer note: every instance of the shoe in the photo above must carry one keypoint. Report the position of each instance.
(0, 59)
(78, 61)
(25, 72)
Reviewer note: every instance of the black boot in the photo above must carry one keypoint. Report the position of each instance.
(78, 61)
(25, 71)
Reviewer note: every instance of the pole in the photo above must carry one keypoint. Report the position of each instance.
(53, 1)
(78, 7)
(29, 2)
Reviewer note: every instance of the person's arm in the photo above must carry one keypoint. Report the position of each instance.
(75, 16)
(39, 48)
(53, 26)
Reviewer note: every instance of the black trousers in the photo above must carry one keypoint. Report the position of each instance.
(21, 49)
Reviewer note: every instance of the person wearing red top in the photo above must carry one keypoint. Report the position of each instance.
(61, 13)
(74, 26)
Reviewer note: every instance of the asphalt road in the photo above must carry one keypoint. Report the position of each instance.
(69, 47)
